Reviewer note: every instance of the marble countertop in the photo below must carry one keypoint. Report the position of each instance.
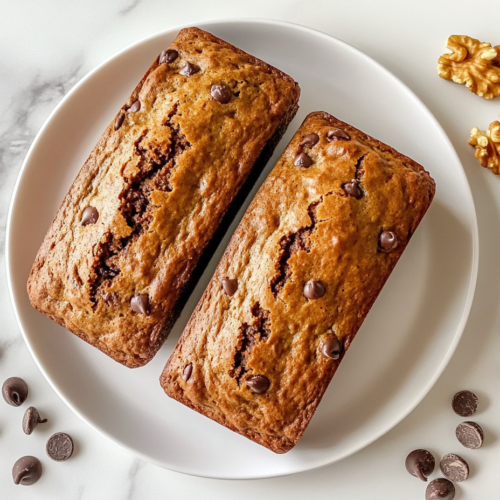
(46, 47)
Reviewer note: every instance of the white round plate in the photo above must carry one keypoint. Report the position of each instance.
(404, 344)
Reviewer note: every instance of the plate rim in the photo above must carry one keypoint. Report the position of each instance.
(313, 32)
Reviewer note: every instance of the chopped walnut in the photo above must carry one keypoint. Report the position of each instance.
(472, 63)
(487, 146)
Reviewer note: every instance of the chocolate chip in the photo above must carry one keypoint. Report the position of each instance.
(89, 216)
(309, 140)
(15, 391)
(388, 241)
(303, 160)
(140, 304)
(470, 435)
(464, 403)
(454, 468)
(31, 419)
(221, 93)
(258, 384)
(314, 289)
(27, 470)
(440, 489)
(230, 286)
(331, 347)
(337, 135)
(60, 447)
(119, 120)
(420, 463)
(168, 56)
(188, 370)
(352, 189)
(189, 69)
(136, 106)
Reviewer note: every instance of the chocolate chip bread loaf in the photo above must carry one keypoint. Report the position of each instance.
(114, 266)
(298, 278)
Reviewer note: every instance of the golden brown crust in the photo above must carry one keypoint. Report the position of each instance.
(301, 225)
(161, 183)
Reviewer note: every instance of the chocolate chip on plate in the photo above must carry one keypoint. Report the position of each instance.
(470, 435)
(331, 347)
(140, 304)
(302, 160)
(314, 289)
(464, 403)
(440, 489)
(352, 189)
(168, 56)
(388, 241)
(188, 370)
(60, 447)
(310, 140)
(31, 419)
(258, 383)
(189, 69)
(89, 216)
(119, 120)
(136, 106)
(27, 470)
(221, 93)
(15, 391)
(337, 135)
(230, 286)
(420, 463)
(454, 468)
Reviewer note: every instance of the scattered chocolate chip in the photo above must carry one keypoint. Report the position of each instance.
(60, 447)
(189, 69)
(119, 120)
(314, 289)
(168, 56)
(258, 383)
(230, 286)
(221, 93)
(464, 403)
(337, 135)
(352, 189)
(31, 419)
(15, 391)
(136, 106)
(454, 468)
(388, 241)
(470, 435)
(27, 470)
(440, 489)
(89, 216)
(310, 140)
(303, 160)
(420, 463)
(140, 304)
(331, 347)
(188, 370)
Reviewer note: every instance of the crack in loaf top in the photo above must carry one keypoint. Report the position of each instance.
(142, 209)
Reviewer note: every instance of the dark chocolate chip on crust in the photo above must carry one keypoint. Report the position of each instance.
(470, 435)
(388, 241)
(136, 106)
(189, 69)
(352, 189)
(168, 56)
(188, 370)
(420, 463)
(454, 468)
(15, 391)
(119, 120)
(464, 403)
(230, 286)
(331, 347)
(303, 160)
(314, 289)
(31, 419)
(221, 93)
(60, 447)
(337, 135)
(140, 304)
(27, 470)
(440, 489)
(309, 140)
(258, 384)
(89, 216)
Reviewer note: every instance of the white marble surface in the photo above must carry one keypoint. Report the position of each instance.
(46, 47)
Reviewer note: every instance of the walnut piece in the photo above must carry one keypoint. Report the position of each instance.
(472, 63)
(487, 146)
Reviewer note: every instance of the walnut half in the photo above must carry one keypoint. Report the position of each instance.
(487, 146)
(472, 63)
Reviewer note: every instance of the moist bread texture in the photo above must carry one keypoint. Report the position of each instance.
(119, 256)
(310, 257)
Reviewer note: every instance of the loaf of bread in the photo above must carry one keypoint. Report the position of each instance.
(116, 263)
(298, 278)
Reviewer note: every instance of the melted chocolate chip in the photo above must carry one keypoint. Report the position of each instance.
(470, 435)
(337, 135)
(15, 391)
(314, 289)
(331, 347)
(440, 489)
(140, 304)
(168, 56)
(388, 241)
(189, 69)
(454, 468)
(230, 286)
(31, 419)
(27, 470)
(89, 216)
(309, 140)
(464, 403)
(420, 463)
(136, 106)
(221, 93)
(188, 370)
(352, 189)
(60, 447)
(303, 160)
(258, 384)
(119, 120)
